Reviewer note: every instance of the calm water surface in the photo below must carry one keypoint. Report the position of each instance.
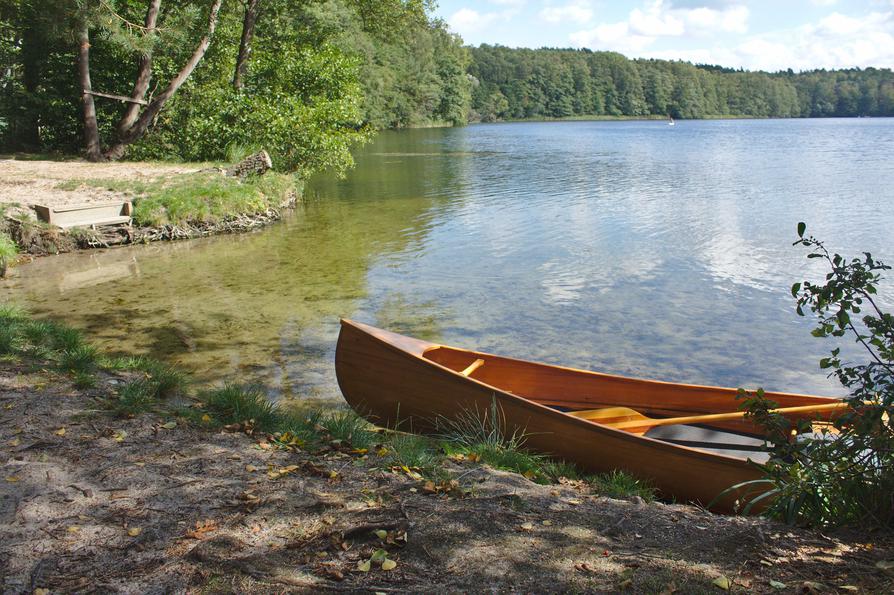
(628, 247)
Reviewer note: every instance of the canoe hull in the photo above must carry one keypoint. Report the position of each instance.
(386, 379)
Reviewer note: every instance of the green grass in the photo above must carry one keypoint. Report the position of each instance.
(135, 397)
(619, 484)
(8, 248)
(413, 451)
(235, 403)
(350, 428)
(203, 197)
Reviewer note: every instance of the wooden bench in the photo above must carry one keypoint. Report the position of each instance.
(89, 215)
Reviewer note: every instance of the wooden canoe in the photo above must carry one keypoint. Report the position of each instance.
(399, 381)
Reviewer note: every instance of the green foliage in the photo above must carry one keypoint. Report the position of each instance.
(845, 477)
(234, 404)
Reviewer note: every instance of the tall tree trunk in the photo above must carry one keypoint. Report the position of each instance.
(138, 129)
(144, 75)
(91, 130)
(248, 33)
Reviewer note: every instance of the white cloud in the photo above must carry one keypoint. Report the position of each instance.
(466, 20)
(660, 18)
(836, 41)
(616, 36)
(575, 12)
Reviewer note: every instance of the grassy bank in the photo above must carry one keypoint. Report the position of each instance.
(201, 197)
(149, 386)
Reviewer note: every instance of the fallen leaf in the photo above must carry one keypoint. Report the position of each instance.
(527, 527)
(120, 435)
(573, 502)
(333, 474)
(251, 468)
(206, 419)
(721, 582)
(777, 585)
(381, 533)
(850, 588)
(134, 531)
(60, 432)
(170, 425)
(812, 587)
(379, 556)
(13, 478)
(389, 564)
(382, 451)
(473, 457)
(547, 523)
(15, 442)
(364, 566)
(202, 527)
(73, 528)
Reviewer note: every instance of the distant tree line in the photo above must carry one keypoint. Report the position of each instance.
(558, 83)
(308, 79)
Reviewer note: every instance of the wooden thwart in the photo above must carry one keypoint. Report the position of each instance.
(472, 367)
(631, 420)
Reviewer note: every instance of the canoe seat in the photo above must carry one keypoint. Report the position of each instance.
(472, 367)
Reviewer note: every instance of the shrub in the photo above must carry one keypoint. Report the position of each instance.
(848, 478)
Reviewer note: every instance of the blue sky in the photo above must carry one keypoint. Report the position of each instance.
(753, 34)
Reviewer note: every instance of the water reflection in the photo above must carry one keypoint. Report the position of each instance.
(627, 247)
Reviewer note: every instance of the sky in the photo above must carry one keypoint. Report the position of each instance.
(752, 34)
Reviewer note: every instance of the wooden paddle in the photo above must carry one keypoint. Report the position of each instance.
(631, 420)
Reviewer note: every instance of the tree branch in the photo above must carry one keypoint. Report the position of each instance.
(144, 74)
(138, 129)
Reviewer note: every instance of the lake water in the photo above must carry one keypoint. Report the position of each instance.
(628, 247)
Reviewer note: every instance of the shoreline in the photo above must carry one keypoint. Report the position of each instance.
(183, 201)
(104, 491)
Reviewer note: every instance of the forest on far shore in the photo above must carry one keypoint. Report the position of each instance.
(200, 80)
(560, 83)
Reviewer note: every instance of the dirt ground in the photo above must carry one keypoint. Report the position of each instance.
(26, 182)
(92, 503)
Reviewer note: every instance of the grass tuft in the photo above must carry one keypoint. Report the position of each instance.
(235, 403)
(135, 397)
(620, 484)
(411, 450)
(79, 360)
(350, 428)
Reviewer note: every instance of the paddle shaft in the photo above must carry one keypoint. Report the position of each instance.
(647, 422)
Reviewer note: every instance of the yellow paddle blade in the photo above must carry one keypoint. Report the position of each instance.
(610, 415)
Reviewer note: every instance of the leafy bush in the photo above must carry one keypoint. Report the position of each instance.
(845, 476)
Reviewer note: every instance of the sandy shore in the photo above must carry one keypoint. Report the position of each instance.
(27, 183)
